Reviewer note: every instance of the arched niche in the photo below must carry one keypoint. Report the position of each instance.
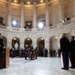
(54, 46)
(14, 40)
(5, 41)
(28, 41)
(53, 43)
(40, 45)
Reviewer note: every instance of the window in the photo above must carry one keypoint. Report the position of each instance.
(14, 23)
(28, 24)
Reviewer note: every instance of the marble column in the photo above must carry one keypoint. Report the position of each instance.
(34, 14)
(22, 14)
(34, 44)
(47, 14)
(60, 10)
(60, 24)
(74, 7)
(73, 18)
(9, 45)
(9, 13)
(22, 44)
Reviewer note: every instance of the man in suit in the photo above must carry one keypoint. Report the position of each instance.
(72, 52)
(26, 52)
(64, 45)
(45, 52)
(36, 51)
(1, 50)
(32, 50)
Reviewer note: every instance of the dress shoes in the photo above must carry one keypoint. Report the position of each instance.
(25, 59)
(0, 67)
(72, 67)
(65, 68)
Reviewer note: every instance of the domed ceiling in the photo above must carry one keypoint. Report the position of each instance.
(29, 1)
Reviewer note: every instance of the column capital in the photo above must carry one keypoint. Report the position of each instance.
(34, 0)
(22, 1)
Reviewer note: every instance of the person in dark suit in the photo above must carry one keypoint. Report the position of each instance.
(36, 51)
(12, 52)
(72, 52)
(1, 50)
(26, 52)
(64, 45)
(32, 50)
(51, 53)
(45, 52)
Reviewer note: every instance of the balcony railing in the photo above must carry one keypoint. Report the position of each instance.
(3, 26)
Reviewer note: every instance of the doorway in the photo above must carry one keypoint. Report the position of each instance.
(14, 40)
(28, 41)
(40, 46)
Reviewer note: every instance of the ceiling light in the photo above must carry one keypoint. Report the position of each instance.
(63, 21)
(42, 39)
(28, 2)
(56, 38)
(41, 1)
(28, 39)
(15, 1)
(14, 38)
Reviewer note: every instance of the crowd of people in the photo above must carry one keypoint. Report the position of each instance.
(27, 52)
(55, 53)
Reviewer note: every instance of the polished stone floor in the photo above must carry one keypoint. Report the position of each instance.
(40, 66)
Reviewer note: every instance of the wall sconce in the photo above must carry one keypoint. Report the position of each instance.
(66, 19)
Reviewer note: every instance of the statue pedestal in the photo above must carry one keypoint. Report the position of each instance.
(5, 58)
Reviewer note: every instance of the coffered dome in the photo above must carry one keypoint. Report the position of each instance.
(49, 12)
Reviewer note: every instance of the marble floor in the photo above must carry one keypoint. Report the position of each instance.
(40, 66)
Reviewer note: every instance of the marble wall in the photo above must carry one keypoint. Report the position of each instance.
(46, 33)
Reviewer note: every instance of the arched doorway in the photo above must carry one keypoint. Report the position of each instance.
(28, 41)
(14, 40)
(5, 41)
(53, 44)
(40, 46)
